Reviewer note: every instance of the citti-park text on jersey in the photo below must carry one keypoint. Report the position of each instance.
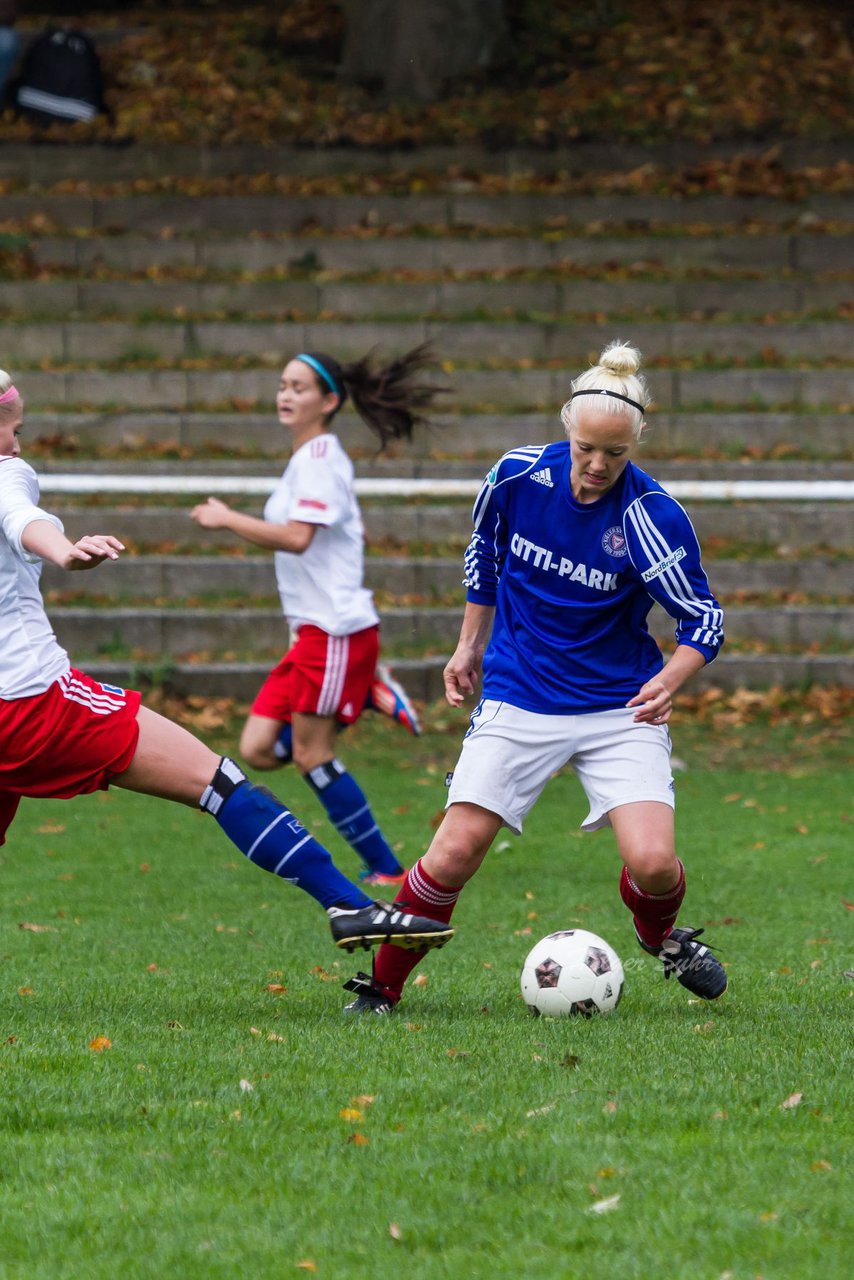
(542, 558)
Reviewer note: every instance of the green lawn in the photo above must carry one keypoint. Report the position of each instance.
(233, 1130)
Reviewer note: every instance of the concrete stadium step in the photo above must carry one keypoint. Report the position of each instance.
(123, 300)
(90, 162)
(484, 435)
(484, 389)
(423, 676)
(297, 213)
(175, 578)
(178, 633)
(796, 525)
(450, 298)
(808, 251)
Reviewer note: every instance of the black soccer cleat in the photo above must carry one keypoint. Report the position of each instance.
(692, 962)
(381, 922)
(369, 998)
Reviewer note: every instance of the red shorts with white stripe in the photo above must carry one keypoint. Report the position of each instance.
(67, 741)
(321, 675)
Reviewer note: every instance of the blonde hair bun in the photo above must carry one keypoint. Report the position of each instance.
(620, 359)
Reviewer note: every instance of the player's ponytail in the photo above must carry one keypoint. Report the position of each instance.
(392, 399)
(617, 384)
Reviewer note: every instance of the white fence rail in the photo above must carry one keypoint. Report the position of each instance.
(697, 490)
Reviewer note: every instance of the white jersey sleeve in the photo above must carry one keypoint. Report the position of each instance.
(30, 656)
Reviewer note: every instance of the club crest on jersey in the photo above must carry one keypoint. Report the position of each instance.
(614, 541)
(543, 477)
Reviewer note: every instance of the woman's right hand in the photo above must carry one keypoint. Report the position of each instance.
(461, 675)
(212, 514)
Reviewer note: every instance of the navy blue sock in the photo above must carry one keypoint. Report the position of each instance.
(347, 806)
(283, 747)
(271, 837)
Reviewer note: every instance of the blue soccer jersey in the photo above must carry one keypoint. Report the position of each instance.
(572, 583)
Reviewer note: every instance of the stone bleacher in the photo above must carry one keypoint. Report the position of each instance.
(151, 339)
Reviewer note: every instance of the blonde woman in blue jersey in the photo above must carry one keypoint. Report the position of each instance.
(572, 546)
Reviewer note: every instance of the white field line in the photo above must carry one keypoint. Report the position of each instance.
(698, 490)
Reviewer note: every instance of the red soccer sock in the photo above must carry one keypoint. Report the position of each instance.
(423, 896)
(654, 913)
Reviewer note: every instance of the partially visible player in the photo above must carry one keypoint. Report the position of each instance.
(572, 546)
(64, 734)
(312, 522)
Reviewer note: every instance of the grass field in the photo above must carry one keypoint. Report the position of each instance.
(235, 1125)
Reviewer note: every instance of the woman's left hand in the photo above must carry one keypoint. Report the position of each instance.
(93, 549)
(654, 703)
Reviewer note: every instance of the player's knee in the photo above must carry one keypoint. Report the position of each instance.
(655, 870)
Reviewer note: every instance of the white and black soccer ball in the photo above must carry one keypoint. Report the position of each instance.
(572, 972)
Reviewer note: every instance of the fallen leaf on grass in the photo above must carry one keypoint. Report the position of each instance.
(37, 928)
(246, 1086)
(604, 1206)
(420, 981)
(768, 1216)
(610, 1107)
(276, 988)
(323, 974)
(570, 1060)
(395, 1231)
(820, 1166)
(363, 1100)
(849, 906)
(351, 1114)
(51, 829)
(26, 991)
(306, 1264)
(359, 1140)
(793, 1100)
(100, 1043)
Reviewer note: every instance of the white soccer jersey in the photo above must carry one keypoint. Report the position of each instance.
(323, 586)
(30, 656)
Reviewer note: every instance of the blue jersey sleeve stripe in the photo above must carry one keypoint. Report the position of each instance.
(674, 582)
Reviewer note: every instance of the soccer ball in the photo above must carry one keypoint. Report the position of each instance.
(572, 972)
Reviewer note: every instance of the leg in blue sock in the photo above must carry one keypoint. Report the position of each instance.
(348, 808)
(271, 837)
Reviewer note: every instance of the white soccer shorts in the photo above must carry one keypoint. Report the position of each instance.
(508, 756)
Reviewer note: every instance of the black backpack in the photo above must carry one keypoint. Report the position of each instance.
(61, 78)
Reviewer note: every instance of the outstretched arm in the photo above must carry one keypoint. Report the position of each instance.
(295, 536)
(463, 671)
(42, 538)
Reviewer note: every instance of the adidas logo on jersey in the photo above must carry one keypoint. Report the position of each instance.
(543, 477)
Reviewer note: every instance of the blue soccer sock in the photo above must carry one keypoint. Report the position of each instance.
(348, 808)
(283, 747)
(271, 837)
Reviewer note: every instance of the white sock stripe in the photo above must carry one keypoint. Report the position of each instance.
(355, 814)
(289, 854)
(438, 897)
(266, 832)
(363, 836)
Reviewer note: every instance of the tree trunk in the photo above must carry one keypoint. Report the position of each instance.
(411, 47)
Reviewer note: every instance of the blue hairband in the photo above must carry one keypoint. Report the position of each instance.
(327, 377)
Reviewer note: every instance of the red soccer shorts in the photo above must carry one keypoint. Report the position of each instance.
(321, 675)
(65, 742)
